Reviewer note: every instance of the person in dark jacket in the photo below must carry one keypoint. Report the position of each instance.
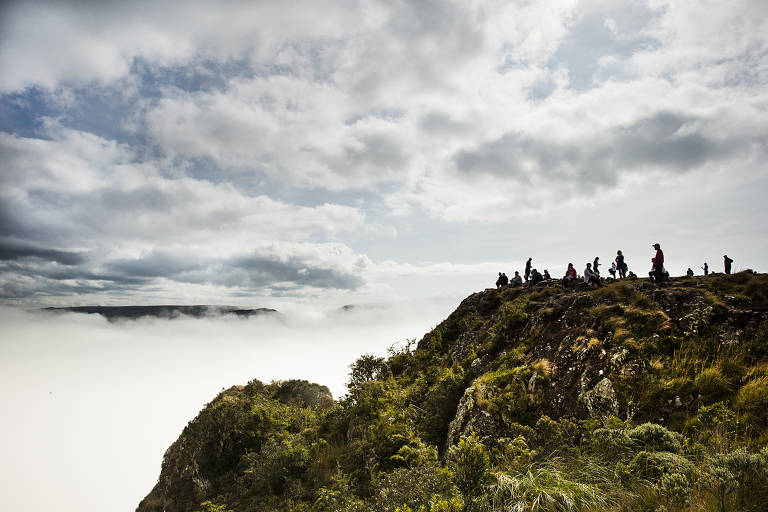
(727, 264)
(689, 272)
(595, 265)
(527, 269)
(705, 268)
(546, 274)
(536, 277)
(620, 265)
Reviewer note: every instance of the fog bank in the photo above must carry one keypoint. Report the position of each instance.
(90, 406)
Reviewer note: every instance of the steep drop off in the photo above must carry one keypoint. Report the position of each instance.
(626, 397)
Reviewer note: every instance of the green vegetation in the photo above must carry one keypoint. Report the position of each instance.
(624, 398)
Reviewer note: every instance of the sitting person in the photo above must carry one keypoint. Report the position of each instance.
(612, 270)
(590, 276)
(570, 275)
(632, 276)
(546, 274)
(502, 280)
(517, 280)
(536, 277)
(689, 272)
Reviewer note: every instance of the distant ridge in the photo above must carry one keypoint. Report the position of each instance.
(114, 313)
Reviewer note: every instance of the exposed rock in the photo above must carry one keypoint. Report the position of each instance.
(470, 418)
(601, 401)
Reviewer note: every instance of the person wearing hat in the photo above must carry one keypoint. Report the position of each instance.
(727, 263)
(658, 263)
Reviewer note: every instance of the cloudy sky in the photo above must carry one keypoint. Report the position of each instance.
(259, 152)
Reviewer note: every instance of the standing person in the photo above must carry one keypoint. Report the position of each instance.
(658, 263)
(620, 265)
(727, 264)
(590, 276)
(705, 268)
(595, 264)
(528, 269)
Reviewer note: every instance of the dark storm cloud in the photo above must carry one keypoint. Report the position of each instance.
(249, 271)
(263, 271)
(660, 141)
(16, 251)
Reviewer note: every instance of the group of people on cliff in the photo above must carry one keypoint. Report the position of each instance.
(657, 274)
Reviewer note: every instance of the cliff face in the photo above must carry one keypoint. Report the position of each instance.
(528, 372)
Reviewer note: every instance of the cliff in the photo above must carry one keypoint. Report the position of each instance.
(627, 397)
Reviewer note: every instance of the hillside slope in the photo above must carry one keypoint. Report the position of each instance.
(626, 397)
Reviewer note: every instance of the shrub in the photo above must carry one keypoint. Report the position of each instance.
(610, 443)
(676, 489)
(338, 498)
(653, 437)
(470, 464)
(367, 367)
(511, 316)
(739, 472)
(413, 487)
(439, 405)
(654, 465)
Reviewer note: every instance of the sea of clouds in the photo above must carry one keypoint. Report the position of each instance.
(90, 406)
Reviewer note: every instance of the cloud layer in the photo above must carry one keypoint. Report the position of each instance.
(262, 146)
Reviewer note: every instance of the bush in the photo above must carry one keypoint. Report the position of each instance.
(412, 487)
(338, 498)
(655, 438)
(470, 464)
(610, 443)
(676, 489)
(741, 473)
(654, 465)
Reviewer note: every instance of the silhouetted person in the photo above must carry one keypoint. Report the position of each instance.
(516, 281)
(499, 281)
(631, 276)
(727, 264)
(705, 268)
(570, 275)
(658, 264)
(595, 266)
(536, 277)
(546, 274)
(590, 276)
(689, 272)
(612, 270)
(620, 265)
(528, 269)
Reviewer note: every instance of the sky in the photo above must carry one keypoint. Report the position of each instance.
(306, 155)
(356, 151)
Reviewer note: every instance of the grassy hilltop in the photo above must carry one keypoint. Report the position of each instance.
(624, 398)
